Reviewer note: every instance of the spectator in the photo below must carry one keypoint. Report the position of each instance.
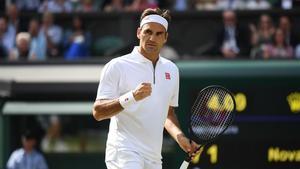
(56, 6)
(297, 52)
(53, 34)
(231, 40)
(38, 45)
(77, 40)
(114, 6)
(140, 5)
(27, 156)
(169, 52)
(291, 36)
(6, 40)
(13, 21)
(258, 5)
(231, 4)
(53, 140)
(279, 48)
(86, 6)
(21, 52)
(206, 5)
(12, 13)
(28, 5)
(261, 36)
(180, 5)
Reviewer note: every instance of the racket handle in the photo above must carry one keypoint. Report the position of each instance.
(187, 160)
(184, 165)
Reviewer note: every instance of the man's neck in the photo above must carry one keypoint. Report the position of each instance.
(153, 57)
(28, 151)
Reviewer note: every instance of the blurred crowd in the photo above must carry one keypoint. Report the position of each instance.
(42, 38)
(58, 6)
(263, 40)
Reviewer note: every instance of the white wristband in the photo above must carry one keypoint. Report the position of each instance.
(127, 99)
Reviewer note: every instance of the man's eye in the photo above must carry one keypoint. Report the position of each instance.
(148, 32)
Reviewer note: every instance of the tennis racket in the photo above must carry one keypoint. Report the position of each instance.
(212, 113)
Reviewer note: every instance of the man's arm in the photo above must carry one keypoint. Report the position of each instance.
(105, 109)
(173, 128)
(11, 163)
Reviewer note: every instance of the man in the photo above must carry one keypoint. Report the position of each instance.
(231, 42)
(138, 92)
(6, 39)
(27, 157)
(38, 45)
(291, 37)
(21, 52)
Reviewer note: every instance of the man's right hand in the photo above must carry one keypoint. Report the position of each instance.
(142, 91)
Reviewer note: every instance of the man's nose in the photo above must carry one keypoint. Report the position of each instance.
(152, 37)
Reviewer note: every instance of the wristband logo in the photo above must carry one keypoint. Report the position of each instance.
(126, 99)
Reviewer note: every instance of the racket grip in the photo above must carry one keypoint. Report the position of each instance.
(184, 165)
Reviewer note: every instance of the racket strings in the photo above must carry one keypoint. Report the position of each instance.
(211, 113)
(214, 131)
(202, 125)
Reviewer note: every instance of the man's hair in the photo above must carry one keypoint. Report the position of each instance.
(29, 134)
(161, 12)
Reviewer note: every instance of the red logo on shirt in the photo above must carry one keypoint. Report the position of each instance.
(168, 77)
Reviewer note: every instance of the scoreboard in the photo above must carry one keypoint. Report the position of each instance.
(266, 130)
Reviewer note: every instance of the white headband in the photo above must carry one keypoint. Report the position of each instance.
(155, 18)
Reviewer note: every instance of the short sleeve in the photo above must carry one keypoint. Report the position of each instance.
(11, 161)
(109, 82)
(175, 93)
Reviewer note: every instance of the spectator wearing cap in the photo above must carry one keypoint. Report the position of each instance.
(27, 157)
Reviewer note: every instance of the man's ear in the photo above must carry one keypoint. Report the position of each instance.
(166, 37)
(138, 33)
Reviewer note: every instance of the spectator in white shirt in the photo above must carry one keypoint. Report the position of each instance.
(53, 34)
(28, 5)
(56, 6)
(258, 5)
(27, 157)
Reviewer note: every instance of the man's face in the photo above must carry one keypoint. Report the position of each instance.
(33, 27)
(28, 144)
(229, 18)
(284, 24)
(152, 37)
(2, 25)
(23, 45)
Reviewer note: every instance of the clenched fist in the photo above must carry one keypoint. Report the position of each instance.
(142, 91)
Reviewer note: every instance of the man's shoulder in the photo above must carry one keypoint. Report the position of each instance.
(120, 60)
(18, 152)
(168, 63)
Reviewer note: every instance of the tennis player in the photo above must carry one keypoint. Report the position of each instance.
(138, 92)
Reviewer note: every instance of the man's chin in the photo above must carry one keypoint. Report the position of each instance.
(152, 49)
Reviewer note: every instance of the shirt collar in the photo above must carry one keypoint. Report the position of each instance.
(141, 58)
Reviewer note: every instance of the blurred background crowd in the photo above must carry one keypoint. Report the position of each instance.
(40, 37)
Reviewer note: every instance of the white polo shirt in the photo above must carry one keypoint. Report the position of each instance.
(139, 127)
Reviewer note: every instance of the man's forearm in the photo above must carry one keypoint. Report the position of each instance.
(105, 109)
(172, 125)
